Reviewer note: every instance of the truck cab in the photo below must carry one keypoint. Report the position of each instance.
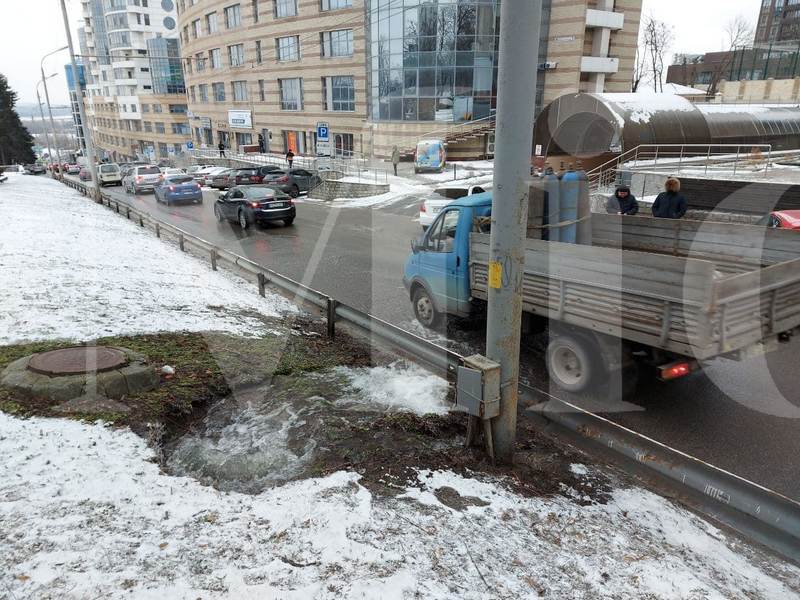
(436, 274)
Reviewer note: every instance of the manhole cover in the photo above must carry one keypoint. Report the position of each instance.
(81, 359)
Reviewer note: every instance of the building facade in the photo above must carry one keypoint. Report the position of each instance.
(778, 21)
(380, 73)
(135, 95)
(76, 91)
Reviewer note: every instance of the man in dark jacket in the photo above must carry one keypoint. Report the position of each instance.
(670, 204)
(221, 148)
(623, 202)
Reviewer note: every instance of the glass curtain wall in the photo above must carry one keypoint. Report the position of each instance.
(433, 60)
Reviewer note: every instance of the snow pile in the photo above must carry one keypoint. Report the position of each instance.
(400, 189)
(84, 513)
(399, 386)
(71, 269)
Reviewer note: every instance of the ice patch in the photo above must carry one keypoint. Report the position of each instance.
(578, 469)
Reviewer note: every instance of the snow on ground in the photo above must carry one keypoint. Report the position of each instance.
(399, 386)
(71, 269)
(399, 188)
(85, 513)
(466, 169)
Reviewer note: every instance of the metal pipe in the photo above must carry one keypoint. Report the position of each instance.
(520, 23)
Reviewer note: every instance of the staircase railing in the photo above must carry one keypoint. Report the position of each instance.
(409, 143)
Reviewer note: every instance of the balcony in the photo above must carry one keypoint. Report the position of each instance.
(605, 19)
(599, 64)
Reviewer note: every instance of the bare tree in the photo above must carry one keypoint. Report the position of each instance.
(639, 66)
(657, 38)
(738, 32)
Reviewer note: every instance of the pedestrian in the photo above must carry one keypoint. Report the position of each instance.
(670, 204)
(623, 202)
(221, 147)
(261, 146)
(395, 159)
(290, 157)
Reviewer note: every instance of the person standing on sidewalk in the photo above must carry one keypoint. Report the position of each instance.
(261, 145)
(221, 148)
(289, 158)
(395, 159)
(670, 204)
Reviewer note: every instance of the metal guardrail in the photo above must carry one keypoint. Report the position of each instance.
(778, 515)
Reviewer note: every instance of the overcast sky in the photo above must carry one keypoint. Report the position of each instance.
(31, 28)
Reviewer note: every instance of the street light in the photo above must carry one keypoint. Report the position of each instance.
(47, 98)
(44, 123)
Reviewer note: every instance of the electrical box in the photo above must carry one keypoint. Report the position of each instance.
(478, 387)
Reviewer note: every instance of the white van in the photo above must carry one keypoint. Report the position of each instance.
(109, 174)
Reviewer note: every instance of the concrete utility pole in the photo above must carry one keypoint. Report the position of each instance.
(520, 24)
(81, 110)
(44, 125)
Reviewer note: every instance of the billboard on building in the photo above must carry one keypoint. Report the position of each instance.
(240, 119)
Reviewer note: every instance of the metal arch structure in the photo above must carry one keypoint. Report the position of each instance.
(590, 126)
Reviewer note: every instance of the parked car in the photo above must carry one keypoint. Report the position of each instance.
(430, 155)
(109, 174)
(782, 219)
(84, 174)
(178, 188)
(249, 204)
(172, 171)
(292, 181)
(205, 175)
(73, 169)
(192, 169)
(441, 197)
(35, 169)
(247, 176)
(140, 178)
(223, 180)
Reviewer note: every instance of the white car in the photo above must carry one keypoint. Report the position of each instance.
(172, 171)
(109, 174)
(441, 197)
(204, 176)
(192, 169)
(139, 178)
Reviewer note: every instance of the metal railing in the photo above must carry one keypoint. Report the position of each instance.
(728, 497)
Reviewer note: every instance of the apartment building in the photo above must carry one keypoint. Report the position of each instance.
(381, 73)
(778, 21)
(135, 96)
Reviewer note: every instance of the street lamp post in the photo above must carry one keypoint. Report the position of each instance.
(47, 130)
(47, 99)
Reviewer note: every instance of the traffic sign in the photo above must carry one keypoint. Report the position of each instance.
(323, 133)
(189, 145)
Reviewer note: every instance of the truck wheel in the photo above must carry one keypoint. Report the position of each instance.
(571, 363)
(425, 309)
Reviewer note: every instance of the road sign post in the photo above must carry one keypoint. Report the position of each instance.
(323, 139)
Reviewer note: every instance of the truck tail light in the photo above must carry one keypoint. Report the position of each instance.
(674, 370)
(423, 208)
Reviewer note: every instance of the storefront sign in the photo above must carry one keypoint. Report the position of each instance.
(240, 119)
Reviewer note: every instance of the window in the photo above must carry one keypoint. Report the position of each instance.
(337, 43)
(200, 61)
(147, 19)
(203, 91)
(285, 8)
(291, 93)
(148, 126)
(186, 33)
(216, 58)
(145, 108)
(261, 91)
(336, 4)
(255, 11)
(181, 129)
(160, 128)
(192, 95)
(189, 66)
(232, 17)
(196, 28)
(156, 108)
(442, 234)
(236, 55)
(239, 91)
(211, 23)
(338, 93)
(178, 109)
(219, 91)
(288, 48)
(258, 52)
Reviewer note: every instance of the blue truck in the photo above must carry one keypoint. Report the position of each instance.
(669, 293)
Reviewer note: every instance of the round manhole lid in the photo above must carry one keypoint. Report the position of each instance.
(78, 360)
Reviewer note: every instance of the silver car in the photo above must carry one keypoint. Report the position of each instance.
(140, 178)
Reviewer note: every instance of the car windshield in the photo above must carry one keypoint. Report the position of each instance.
(276, 173)
(255, 192)
(109, 168)
(149, 171)
(179, 179)
(247, 172)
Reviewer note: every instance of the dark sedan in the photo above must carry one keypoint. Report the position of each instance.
(224, 180)
(292, 181)
(247, 177)
(178, 188)
(249, 204)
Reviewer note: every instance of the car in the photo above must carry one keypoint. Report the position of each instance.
(178, 188)
(172, 171)
(247, 176)
(249, 204)
(782, 219)
(223, 180)
(109, 174)
(84, 174)
(73, 169)
(441, 197)
(292, 181)
(35, 169)
(430, 155)
(141, 177)
(192, 169)
(203, 176)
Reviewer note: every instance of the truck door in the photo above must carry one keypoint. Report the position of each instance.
(441, 264)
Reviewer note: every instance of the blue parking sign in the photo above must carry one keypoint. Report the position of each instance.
(189, 145)
(322, 131)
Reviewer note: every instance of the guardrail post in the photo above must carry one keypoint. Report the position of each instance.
(141, 221)
(158, 230)
(262, 284)
(180, 242)
(117, 206)
(331, 317)
(213, 259)
(128, 212)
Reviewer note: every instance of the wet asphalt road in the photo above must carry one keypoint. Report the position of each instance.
(740, 416)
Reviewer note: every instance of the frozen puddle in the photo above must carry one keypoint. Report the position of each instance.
(276, 433)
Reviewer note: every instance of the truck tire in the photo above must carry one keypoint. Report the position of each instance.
(425, 309)
(571, 363)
